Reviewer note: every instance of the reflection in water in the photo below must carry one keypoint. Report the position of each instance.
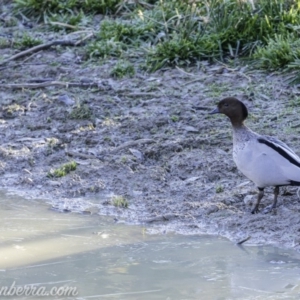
(104, 260)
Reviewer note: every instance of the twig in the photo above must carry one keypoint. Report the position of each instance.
(22, 65)
(81, 155)
(39, 48)
(85, 38)
(160, 218)
(197, 79)
(244, 240)
(39, 80)
(80, 32)
(235, 71)
(201, 108)
(64, 25)
(49, 83)
(129, 144)
(184, 72)
(132, 144)
(142, 94)
(29, 57)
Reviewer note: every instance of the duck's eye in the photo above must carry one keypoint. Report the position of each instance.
(226, 104)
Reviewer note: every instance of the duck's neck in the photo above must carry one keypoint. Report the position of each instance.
(241, 132)
(237, 122)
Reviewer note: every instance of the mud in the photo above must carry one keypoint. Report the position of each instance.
(148, 139)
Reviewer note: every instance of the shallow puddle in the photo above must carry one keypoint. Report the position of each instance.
(99, 259)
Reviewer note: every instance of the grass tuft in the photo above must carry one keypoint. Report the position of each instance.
(42, 9)
(81, 112)
(27, 41)
(279, 52)
(68, 21)
(63, 170)
(119, 201)
(122, 69)
(104, 49)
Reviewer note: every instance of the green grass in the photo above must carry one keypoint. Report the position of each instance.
(105, 49)
(280, 51)
(181, 33)
(26, 41)
(68, 21)
(119, 201)
(43, 9)
(175, 118)
(63, 170)
(219, 189)
(122, 69)
(4, 43)
(127, 32)
(81, 112)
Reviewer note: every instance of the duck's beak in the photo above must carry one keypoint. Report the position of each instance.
(215, 111)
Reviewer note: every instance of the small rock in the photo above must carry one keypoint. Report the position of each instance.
(137, 110)
(221, 152)
(297, 125)
(54, 183)
(227, 202)
(296, 241)
(243, 183)
(138, 154)
(248, 200)
(212, 209)
(65, 99)
(190, 129)
(192, 179)
(67, 56)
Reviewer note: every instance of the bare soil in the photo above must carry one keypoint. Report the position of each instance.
(148, 139)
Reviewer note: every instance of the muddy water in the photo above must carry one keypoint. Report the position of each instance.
(104, 260)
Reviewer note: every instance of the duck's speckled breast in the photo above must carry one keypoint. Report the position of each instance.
(241, 137)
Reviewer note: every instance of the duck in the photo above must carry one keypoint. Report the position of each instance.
(263, 159)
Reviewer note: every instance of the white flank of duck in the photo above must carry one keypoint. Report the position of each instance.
(263, 159)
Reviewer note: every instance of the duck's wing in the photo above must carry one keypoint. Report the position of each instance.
(278, 142)
(281, 148)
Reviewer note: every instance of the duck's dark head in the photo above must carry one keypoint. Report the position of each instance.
(234, 109)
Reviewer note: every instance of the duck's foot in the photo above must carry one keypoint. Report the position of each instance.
(269, 209)
(255, 210)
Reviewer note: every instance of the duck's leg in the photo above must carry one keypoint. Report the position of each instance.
(259, 197)
(269, 208)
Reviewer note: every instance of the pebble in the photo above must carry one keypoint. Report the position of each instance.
(248, 200)
(65, 99)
